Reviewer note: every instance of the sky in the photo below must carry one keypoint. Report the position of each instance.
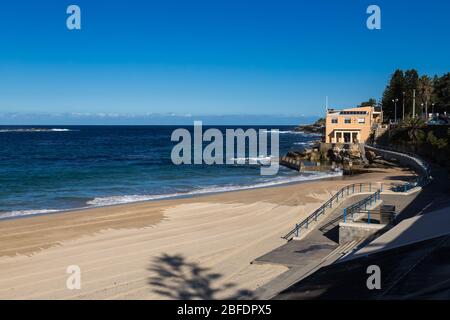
(188, 58)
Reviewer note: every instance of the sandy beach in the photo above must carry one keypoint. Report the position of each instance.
(189, 248)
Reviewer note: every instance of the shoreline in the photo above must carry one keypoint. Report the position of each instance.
(122, 249)
(168, 197)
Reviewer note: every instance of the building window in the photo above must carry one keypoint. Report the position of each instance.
(361, 120)
(347, 120)
(334, 120)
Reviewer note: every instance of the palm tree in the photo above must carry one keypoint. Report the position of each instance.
(425, 90)
(413, 127)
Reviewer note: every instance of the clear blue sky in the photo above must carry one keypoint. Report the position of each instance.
(213, 56)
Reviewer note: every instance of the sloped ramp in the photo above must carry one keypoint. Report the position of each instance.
(416, 271)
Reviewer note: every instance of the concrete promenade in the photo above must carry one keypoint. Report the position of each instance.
(319, 247)
(305, 255)
(320, 240)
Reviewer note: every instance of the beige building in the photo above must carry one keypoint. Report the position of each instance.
(351, 125)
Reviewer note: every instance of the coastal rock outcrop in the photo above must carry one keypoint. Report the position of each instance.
(317, 127)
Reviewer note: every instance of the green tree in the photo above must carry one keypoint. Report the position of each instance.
(441, 93)
(394, 90)
(414, 128)
(425, 91)
(369, 103)
(436, 142)
(411, 84)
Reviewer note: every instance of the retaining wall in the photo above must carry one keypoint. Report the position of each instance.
(406, 160)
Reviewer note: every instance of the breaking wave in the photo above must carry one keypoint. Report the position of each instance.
(37, 130)
(113, 200)
(21, 213)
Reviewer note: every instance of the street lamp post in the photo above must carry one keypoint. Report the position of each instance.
(395, 109)
(403, 102)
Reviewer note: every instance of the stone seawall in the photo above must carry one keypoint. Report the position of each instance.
(404, 159)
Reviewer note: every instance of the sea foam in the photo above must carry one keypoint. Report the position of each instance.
(36, 130)
(121, 199)
(21, 213)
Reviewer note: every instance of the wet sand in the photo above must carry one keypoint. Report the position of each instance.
(198, 247)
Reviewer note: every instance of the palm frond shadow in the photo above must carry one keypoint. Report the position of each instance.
(177, 278)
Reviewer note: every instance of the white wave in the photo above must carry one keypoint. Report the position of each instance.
(260, 159)
(284, 132)
(21, 213)
(307, 143)
(113, 200)
(106, 201)
(37, 130)
(308, 134)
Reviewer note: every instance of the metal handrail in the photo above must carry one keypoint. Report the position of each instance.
(356, 207)
(421, 181)
(347, 190)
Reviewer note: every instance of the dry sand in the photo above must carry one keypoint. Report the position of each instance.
(185, 248)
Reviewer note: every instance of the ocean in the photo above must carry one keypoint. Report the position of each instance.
(55, 168)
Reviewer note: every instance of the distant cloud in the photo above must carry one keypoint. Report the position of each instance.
(106, 118)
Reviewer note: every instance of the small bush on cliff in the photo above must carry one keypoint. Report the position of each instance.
(409, 131)
(435, 142)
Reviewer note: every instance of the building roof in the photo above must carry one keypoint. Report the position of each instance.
(351, 111)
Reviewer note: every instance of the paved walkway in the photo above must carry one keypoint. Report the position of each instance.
(319, 247)
(434, 196)
(317, 244)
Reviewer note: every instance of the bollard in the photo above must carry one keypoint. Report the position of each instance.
(353, 191)
(360, 187)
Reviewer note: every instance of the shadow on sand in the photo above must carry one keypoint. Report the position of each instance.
(177, 278)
